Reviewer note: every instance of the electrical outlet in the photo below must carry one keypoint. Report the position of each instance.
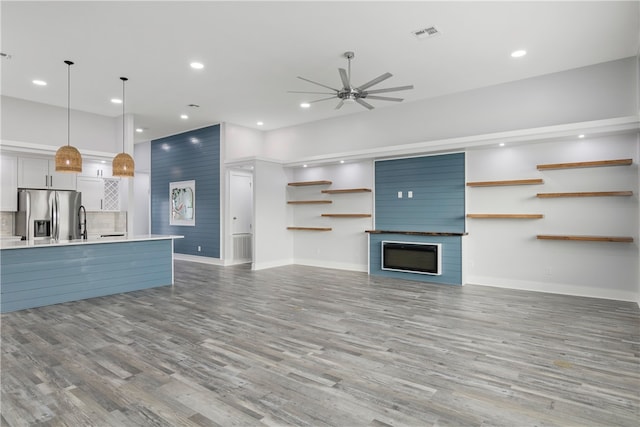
(399, 194)
(199, 248)
(410, 194)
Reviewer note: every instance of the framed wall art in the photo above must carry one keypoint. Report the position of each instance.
(182, 201)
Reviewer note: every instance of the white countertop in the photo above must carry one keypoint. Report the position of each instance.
(39, 243)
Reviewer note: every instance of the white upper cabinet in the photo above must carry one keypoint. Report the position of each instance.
(41, 173)
(96, 169)
(9, 189)
(100, 194)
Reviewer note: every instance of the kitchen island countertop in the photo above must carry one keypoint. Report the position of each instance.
(39, 243)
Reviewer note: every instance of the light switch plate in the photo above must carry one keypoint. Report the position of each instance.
(399, 194)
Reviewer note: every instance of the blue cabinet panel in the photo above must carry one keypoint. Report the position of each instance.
(193, 155)
(34, 277)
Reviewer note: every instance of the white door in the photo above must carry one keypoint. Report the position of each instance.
(241, 209)
(241, 203)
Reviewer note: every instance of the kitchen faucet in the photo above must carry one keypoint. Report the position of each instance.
(82, 225)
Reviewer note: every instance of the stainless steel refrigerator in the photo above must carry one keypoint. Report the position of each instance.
(50, 214)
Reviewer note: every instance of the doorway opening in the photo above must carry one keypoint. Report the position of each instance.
(241, 216)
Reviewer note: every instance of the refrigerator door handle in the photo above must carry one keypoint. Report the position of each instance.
(56, 218)
(28, 219)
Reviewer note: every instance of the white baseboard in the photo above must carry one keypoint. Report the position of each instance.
(271, 264)
(554, 288)
(331, 264)
(200, 259)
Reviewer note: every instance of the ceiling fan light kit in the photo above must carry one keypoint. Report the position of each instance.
(355, 94)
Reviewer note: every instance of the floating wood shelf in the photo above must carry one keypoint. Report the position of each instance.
(586, 194)
(308, 202)
(310, 228)
(599, 163)
(305, 183)
(616, 239)
(353, 215)
(506, 216)
(509, 182)
(348, 190)
(416, 233)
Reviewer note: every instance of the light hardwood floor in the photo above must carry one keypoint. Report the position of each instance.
(314, 347)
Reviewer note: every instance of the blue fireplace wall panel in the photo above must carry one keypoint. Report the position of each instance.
(437, 205)
(193, 155)
(451, 258)
(437, 183)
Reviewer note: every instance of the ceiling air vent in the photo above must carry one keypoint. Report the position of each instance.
(425, 33)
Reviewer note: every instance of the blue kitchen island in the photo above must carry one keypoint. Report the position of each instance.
(35, 273)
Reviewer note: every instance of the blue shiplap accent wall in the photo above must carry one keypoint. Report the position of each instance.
(438, 186)
(193, 155)
(35, 277)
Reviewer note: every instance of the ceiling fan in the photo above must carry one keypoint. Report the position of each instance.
(350, 93)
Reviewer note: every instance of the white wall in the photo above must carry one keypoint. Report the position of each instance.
(273, 245)
(345, 246)
(597, 92)
(36, 123)
(506, 253)
(142, 156)
(241, 142)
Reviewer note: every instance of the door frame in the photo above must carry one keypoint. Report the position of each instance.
(245, 169)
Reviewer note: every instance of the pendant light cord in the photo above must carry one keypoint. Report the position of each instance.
(69, 63)
(124, 79)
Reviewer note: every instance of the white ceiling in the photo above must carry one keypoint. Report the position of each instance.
(253, 51)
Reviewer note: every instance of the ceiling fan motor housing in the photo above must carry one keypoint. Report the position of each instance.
(350, 94)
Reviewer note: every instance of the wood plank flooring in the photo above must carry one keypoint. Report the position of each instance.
(304, 346)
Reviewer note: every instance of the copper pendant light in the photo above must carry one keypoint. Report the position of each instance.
(123, 164)
(68, 158)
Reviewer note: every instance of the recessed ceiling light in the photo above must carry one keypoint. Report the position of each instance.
(184, 116)
(116, 100)
(581, 136)
(305, 105)
(39, 82)
(197, 65)
(341, 161)
(139, 130)
(518, 53)
(259, 123)
(304, 166)
(103, 161)
(501, 144)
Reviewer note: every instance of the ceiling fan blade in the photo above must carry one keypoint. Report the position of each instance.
(345, 78)
(384, 98)
(391, 89)
(316, 83)
(375, 81)
(322, 99)
(340, 104)
(313, 93)
(364, 104)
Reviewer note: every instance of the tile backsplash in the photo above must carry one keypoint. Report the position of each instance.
(106, 222)
(97, 223)
(6, 223)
